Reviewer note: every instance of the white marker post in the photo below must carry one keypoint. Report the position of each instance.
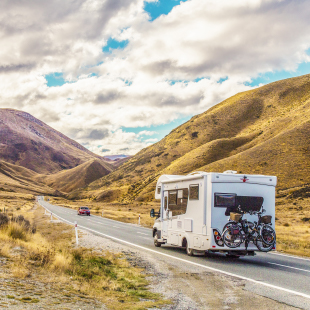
(76, 234)
(139, 219)
(102, 213)
(51, 216)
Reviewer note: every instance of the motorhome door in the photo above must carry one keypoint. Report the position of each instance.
(165, 214)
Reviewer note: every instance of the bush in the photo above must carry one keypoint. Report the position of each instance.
(42, 256)
(17, 231)
(4, 219)
(24, 222)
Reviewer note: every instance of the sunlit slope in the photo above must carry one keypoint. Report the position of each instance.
(265, 130)
(19, 179)
(78, 177)
(15, 178)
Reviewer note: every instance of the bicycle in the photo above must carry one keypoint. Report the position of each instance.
(239, 230)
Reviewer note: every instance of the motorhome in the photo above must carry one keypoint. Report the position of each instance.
(195, 208)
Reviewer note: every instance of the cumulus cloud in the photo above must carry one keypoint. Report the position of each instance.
(170, 68)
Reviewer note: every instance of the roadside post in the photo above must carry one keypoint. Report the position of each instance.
(139, 219)
(102, 213)
(51, 216)
(76, 233)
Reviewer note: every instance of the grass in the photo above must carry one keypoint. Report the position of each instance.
(50, 255)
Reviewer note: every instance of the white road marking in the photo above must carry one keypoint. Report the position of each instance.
(115, 226)
(292, 256)
(195, 264)
(289, 267)
(142, 233)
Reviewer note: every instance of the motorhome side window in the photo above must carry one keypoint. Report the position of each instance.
(194, 192)
(172, 198)
(178, 201)
(158, 189)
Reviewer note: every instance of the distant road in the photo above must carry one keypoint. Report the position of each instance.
(281, 277)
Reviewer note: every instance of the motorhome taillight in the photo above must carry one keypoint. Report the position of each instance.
(217, 238)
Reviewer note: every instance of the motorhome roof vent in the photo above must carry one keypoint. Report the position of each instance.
(230, 171)
(197, 172)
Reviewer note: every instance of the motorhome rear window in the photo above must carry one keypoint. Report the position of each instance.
(194, 192)
(224, 200)
(249, 203)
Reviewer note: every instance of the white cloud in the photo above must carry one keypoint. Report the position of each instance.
(169, 69)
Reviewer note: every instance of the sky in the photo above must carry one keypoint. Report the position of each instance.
(119, 75)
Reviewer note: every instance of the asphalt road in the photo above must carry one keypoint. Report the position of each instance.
(281, 277)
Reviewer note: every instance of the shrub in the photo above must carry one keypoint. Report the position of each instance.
(4, 219)
(17, 231)
(42, 256)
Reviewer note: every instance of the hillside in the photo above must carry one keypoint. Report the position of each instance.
(78, 177)
(28, 142)
(15, 178)
(262, 131)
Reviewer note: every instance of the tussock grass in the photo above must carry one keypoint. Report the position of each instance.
(17, 231)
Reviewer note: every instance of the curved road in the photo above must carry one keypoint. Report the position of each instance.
(280, 277)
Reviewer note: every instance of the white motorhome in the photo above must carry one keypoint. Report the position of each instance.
(195, 208)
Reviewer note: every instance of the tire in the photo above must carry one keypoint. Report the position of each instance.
(156, 243)
(189, 251)
(269, 235)
(231, 241)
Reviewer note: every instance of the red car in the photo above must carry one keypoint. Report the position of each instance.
(83, 211)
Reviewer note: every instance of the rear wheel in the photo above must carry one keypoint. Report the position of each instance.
(156, 242)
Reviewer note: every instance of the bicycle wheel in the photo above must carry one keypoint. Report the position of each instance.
(231, 240)
(267, 234)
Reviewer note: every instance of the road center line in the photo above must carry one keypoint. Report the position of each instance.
(288, 267)
(138, 232)
(193, 263)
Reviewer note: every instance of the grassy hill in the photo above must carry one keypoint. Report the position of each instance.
(78, 177)
(14, 178)
(262, 131)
